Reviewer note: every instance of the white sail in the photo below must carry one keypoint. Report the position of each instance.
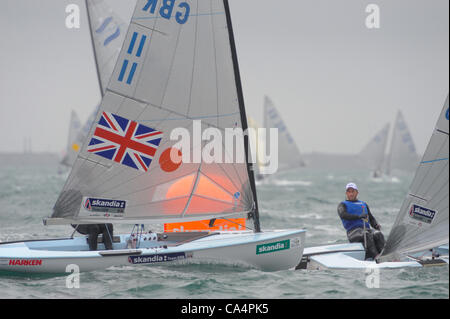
(402, 155)
(73, 142)
(176, 65)
(373, 153)
(107, 33)
(422, 222)
(288, 153)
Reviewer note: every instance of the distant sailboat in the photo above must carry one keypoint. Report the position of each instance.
(107, 31)
(402, 154)
(173, 69)
(73, 143)
(373, 153)
(421, 224)
(289, 156)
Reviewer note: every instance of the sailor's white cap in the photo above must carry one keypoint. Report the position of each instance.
(351, 185)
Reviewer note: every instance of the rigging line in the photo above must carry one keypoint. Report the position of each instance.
(221, 201)
(194, 188)
(191, 15)
(217, 184)
(249, 228)
(95, 162)
(415, 196)
(149, 187)
(148, 28)
(193, 63)
(436, 160)
(441, 131)
(159, 201)
(187, 117)
(195, 117)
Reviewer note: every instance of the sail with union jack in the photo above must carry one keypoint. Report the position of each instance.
(124, 141)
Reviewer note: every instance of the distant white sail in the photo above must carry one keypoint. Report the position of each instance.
(176, 65)
(373, 153)
(108, 32)
(422, 222)
(402, 153)
(73, 142)
(288, 153)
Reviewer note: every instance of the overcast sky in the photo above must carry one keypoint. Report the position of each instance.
(335, 82)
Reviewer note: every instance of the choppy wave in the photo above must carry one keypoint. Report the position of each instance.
(306, 199)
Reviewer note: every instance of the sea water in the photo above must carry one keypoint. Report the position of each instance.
(306, 198)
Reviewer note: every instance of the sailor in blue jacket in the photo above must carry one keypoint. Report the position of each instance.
(356, 217)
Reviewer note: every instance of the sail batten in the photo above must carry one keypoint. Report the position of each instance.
(162, 81)
(423, 219)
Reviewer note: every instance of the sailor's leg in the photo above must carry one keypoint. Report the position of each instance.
(379, 240)
(93, 235)
(371, 249)
(356, 235)
(107, 236)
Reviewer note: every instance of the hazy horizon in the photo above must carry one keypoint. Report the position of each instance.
(335, 82)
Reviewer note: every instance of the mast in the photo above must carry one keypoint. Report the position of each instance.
(255, 211)
(93, 48)
(389, 157)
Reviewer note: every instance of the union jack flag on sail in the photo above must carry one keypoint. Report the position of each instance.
(125, 141)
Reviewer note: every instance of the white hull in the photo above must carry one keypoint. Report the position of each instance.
(268, 251)
(351, 256)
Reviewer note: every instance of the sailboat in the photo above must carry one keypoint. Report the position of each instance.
(419, 236)
(289, 156)
(107, 33)
(73, 143)
(373, 153)
(178, 65)
(402, 154)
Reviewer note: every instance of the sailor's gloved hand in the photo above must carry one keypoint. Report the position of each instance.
(378, 227)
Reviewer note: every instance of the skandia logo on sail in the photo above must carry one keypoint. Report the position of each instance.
(272, 247)
(104, 205)
(422, 214)
(158, 258)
